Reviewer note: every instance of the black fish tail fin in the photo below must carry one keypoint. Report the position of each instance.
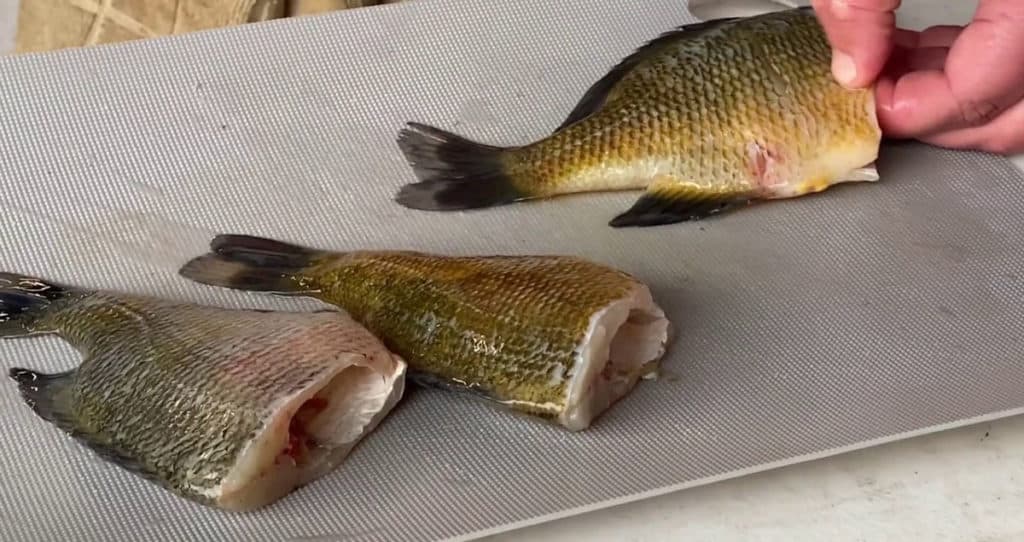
(243, 262)
(44, 394)
(24, 301)
(455, 173)
(49, 396)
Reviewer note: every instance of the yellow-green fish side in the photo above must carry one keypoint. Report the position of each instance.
(703, 118)
(551, 336)
(229, 408)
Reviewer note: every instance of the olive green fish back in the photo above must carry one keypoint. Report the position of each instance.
(524, 315)
(695, 103)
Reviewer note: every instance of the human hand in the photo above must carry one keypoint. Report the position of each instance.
(955, 87)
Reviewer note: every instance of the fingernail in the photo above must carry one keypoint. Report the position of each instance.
(843, 68)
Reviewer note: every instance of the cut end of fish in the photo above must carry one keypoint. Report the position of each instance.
(313, 432)
(624, 343)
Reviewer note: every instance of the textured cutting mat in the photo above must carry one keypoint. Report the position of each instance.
(805, 327)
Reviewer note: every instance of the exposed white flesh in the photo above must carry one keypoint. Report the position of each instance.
(355, 399)
(624, 342)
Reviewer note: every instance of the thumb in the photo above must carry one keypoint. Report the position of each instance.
(861, 33)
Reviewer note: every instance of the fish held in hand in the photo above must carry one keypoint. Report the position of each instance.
(230, 408)
(551, 336)
(704, 118)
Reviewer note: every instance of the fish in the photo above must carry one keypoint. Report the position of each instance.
(704, 119)
(232, 409)
(551, 337)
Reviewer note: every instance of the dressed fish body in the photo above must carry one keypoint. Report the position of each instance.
(703, 118)
(232, 409)
(555, 337)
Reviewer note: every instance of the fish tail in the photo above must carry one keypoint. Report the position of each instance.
(24, 302)
(49, 395)
(455, 173)
(42, 393)
(243, 262)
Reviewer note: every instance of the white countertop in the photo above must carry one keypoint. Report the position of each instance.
(961, 485)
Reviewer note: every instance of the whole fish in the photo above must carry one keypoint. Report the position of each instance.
(703, 118)
(232, 409)
(552, 336)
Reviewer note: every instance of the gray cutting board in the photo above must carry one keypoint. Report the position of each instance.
(806, 327)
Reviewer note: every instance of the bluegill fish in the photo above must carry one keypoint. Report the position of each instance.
(556, 337)
(703, 119)
(232, 409)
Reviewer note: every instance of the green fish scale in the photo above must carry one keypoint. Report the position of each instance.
(697, 104)
(506, 327)
(181, 389)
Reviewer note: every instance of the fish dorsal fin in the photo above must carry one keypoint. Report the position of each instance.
(598, 93)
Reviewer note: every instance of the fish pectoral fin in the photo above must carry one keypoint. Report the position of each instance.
(867, 173)
(601, 91)
(668, 201)
(46, 394)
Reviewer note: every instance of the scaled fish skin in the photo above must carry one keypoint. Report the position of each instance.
(704, 118)
(555, 337)
(232, 409)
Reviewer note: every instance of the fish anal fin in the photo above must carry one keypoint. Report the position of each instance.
(669, 200)
(603, 89)
(48, 395)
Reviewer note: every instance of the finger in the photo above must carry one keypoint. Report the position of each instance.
(982, 76)
(926, 59)
(907, 39)
(861, 35)
(920, 51)
(903, 61)
(939, 36)
(1001, 136)
(911, 103)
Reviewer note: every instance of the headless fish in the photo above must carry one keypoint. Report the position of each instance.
(232, 409)
(703, 119)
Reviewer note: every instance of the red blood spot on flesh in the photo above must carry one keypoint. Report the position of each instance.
(760, 164)
(314, 406)
(763, 163)
(298, 440)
